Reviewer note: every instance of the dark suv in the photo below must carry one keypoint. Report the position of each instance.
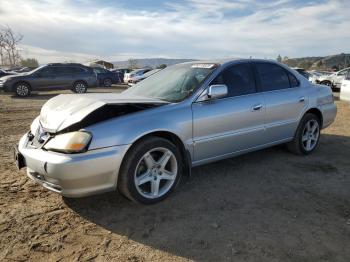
(57, 76)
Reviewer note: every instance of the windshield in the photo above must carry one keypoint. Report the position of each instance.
(35, 70)
(174, 83)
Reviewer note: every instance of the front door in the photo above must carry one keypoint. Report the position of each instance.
(231, 124)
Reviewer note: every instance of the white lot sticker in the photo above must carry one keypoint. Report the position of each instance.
(203, 65)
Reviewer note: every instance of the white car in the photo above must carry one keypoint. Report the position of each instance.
(345, 88)
(137, 72)
(334, 80)
(134, 80)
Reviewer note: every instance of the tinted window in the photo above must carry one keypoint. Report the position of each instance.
(272, 77)
(294, 82)
(47, 71)
(239, 80)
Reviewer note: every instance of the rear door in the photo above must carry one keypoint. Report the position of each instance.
(285, 100)
(233, 123)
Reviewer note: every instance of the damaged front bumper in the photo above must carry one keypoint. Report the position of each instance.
(73, 175)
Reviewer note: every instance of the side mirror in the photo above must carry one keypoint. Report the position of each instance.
(217, 91)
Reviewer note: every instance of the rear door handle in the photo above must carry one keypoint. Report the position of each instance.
(301, 99)
(257, 107)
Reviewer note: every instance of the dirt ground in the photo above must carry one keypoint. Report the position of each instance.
(264, 206)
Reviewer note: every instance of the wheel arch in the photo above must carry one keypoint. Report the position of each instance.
(13, 88)
(316, 112)
(176, 140)
(80, 80)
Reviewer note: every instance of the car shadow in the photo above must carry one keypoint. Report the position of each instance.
(267, 202)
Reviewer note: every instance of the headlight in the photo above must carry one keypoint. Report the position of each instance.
(74, 142)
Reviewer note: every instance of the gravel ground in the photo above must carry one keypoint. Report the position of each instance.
(264, 206)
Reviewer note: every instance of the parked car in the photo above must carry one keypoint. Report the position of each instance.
(138, 72)
(143, 140)
(334, 80)
(5, 73)
(138, 78)
(107, 78)
(345, 88)
(50, 77)
(315, 75)
(303, 72)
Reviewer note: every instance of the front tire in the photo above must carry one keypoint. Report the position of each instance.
(307, 136)
(22, 89)
(150, 171)
(79, 87)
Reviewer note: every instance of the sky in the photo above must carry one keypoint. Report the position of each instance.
(83, 30)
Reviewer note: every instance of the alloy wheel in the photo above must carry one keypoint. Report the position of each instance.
(22, 90)
(311, 133)
(80, 88)
(156, 173)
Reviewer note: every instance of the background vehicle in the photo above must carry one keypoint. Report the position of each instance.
(303, 72)
(143, 140)
(345, 88)
(137, 72)
(5, 73)
(106, 77)
(50, 77)
(138, 78)
(121, 71)
(334, 80)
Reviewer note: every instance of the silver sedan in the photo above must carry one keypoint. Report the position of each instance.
(143, 140)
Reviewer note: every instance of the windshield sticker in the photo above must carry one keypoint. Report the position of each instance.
(203, 65)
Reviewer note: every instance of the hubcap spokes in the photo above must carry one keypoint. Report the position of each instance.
(311, 134)
(80, 88)
(156, 173)
(22, 90)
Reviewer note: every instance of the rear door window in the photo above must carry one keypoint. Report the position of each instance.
(272, 77)
(239, 80)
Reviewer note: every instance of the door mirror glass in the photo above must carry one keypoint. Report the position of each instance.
(217, 91)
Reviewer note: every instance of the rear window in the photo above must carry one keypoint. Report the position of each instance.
(273, 77)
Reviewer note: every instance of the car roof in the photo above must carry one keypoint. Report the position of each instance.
(229, 61)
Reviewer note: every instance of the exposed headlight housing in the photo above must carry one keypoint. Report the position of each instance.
(73, 142)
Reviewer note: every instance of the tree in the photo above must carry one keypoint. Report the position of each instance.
(285, 58)
(9, 52)
(279, 58)
(162, 66)
(29, 62)
(132, 63)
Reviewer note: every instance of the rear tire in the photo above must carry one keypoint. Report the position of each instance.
(150, 170)
(307, 135)
(79, 87)
(22, 89)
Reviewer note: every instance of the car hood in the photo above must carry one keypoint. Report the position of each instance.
(63, 111)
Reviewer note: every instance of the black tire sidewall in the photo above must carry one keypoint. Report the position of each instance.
(303, 122)
(132, 159)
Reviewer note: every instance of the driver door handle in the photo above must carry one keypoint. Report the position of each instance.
(257, 107)
(301, 99)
